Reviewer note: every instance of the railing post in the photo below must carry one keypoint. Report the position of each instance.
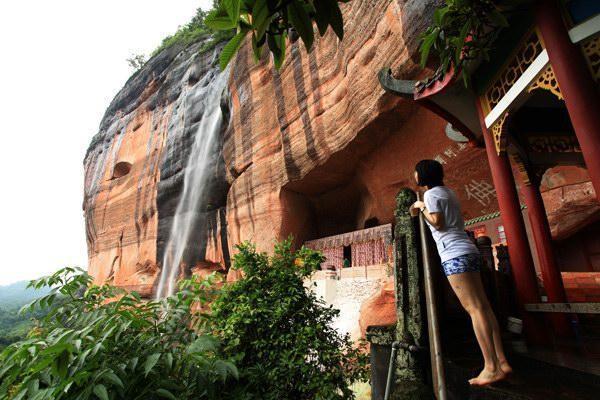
(435, 345)
(410, 367)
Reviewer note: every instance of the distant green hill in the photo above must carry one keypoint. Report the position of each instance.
(14, 326)
(17, 294)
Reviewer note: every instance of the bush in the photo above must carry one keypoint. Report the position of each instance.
(279, 334)
(99, 342)
(193, 31)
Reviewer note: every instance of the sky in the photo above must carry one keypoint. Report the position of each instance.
(61, 63)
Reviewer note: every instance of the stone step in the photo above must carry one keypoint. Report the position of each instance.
(532, 380)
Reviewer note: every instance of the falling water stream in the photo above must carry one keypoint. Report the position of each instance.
(196, 175)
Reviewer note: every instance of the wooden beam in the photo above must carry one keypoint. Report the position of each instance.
(569, 308)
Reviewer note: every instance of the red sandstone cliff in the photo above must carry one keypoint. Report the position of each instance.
(315, 149)
(134, 173)
(319, 148)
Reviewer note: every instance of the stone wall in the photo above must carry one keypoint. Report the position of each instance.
(348, 292)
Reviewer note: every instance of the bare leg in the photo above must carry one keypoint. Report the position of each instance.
(469, 291)
(498, 346)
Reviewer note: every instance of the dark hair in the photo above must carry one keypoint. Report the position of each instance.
(430, 173)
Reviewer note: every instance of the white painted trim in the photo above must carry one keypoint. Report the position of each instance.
(585, 29)
(530, 74)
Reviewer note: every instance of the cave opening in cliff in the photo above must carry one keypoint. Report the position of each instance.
(121, 169)
(355, 188)
(371, 223)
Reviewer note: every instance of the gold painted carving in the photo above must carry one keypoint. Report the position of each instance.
(547, 81)
(523, 58)
(591, 51)
(498, 134)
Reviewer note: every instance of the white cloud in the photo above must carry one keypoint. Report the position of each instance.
(61, 63)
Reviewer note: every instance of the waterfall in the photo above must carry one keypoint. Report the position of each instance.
(196, 176)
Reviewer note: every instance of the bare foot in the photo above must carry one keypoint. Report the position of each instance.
(488, 377)
(505, 367)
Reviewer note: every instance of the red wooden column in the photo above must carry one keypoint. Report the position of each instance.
(576, 84)
(521, 261)
(542, 236)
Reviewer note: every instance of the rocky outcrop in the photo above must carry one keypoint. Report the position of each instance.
(134, 171)
(319, 148)
(315, 149)
(570, 200)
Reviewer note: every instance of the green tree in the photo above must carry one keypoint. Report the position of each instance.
(100, 342)
(136, 61)
(462, 31)
(279, 334)
(271, 22)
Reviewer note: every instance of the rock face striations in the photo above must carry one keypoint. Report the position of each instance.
(315, 149)
(319, 148)
(134, 172)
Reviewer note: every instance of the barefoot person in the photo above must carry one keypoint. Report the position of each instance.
(461, 262)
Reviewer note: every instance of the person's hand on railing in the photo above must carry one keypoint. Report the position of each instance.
(416, 207)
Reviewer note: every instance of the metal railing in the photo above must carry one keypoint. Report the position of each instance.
(438, 374)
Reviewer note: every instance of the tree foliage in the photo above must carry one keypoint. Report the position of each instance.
(100, 342)
(462, 31)
(279, 334)
(195, 30)
(264, 337)
(271, 22)
(136, 61)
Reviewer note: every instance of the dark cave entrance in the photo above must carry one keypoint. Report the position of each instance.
(355, 187)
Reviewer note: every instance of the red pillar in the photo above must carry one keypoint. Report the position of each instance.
(551, 275)
(576, 85)
(523, 270)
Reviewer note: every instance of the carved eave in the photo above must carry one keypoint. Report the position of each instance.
(449, 100)
(399, 87)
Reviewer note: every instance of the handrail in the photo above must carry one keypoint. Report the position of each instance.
(413, 348)
(437, 362)
(391, 367)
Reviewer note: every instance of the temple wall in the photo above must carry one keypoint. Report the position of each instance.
(348, 292)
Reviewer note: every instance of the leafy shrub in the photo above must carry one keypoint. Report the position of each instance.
(99, 342)
(136, 61)
(193, 31)
(462, 30)
(279, 334)
(271, 22)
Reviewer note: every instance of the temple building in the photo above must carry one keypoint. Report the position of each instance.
(535, 108)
